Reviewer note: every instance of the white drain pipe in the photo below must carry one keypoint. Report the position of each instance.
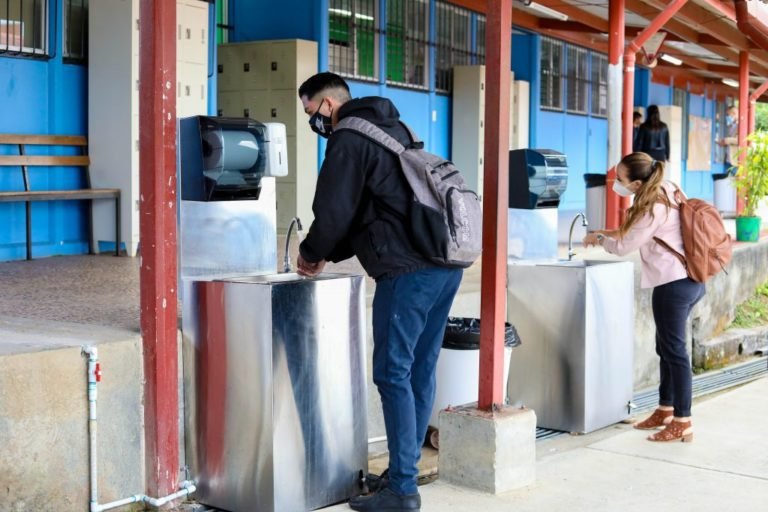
(94, 377)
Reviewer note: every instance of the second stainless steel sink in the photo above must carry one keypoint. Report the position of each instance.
(577, 320)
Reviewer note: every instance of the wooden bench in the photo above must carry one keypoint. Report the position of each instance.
(24, 161)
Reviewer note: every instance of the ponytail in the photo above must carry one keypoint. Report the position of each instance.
(641, 166)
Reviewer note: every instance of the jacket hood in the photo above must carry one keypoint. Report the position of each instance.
(379, 111)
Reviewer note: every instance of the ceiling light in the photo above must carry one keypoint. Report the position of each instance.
(346, 13)
(671, 59)
(543, 9)
(340, 12)
(730, 82)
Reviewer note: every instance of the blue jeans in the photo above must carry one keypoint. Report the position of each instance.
(409, 317)
(672, 303)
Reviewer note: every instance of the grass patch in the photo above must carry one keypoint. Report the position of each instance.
(753, 312)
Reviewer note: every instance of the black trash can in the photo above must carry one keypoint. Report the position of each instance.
(595, 184)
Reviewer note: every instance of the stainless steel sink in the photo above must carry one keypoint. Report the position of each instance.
(275, 390)
(576, 321)
(287, 277)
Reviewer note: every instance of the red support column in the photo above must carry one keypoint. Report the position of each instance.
(629, 84)
(743, 111)
(157, 227)
(498, 59)
(752, 104)
(616, 38)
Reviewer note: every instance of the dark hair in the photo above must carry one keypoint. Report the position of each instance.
(653, 118)
(329, 83)
(636, 115)
(642, 167)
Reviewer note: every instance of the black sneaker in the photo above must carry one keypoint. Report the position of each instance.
(386, 501)
(375, 483)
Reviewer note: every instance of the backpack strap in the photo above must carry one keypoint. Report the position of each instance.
(670, 249)
(373, 132)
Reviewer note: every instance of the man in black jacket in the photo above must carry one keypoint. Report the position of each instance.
(361, 209)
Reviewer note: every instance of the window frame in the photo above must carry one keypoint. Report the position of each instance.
(352, 9)
(414, 36)
(66, 52)
(598, 84)
(41, 52)
(577, 80)
(448, 53)
(552, 75)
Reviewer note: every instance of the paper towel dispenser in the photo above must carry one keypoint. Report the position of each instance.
(537, 178)
(224, 158)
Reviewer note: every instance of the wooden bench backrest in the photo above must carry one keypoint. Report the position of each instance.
(44, 140)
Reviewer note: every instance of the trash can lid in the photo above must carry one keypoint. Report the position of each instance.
(464, 334)
(594, 180)
(720, 176)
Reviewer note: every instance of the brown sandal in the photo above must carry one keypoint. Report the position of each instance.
(659, 418)
(675, 431)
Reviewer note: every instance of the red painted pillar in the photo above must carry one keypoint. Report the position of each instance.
(629, 85)
(157, 227)
(493, 302)
(752, 104)
(743, 111)
(616, 40)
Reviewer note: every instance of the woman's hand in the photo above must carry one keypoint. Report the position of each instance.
(592, 239)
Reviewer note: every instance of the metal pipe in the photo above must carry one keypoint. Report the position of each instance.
(93, 361)
(616, 38)
(287, 255)
(94, 377)
(584, 223)
(629, 87)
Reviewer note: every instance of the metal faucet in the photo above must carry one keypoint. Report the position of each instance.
(287, 257)
(584, 223)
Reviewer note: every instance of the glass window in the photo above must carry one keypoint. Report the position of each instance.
(222, 21)
(24, 27)
(354, 41)
(577, 80)
(408, 42)
(76, 30)
(454, 43)
(599, 85)
(551, 74)
(480, 39)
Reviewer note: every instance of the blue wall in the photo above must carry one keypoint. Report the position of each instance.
(256, 20)
(43, 97)
(658, 94)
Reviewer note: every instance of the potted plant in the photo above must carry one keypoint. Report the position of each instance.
(752, 183)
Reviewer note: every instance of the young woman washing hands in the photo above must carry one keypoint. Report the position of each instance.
(654, 214)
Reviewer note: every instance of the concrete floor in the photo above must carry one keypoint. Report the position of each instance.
(616, 469)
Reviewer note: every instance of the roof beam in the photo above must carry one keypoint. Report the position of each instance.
(689, 34)
(576, 14)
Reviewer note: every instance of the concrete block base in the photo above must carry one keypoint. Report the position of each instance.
(492, 452)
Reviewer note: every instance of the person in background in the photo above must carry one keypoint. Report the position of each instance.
(654, 214)
(637, 120)
(653, 136)
(731, 140)
(361, 208)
